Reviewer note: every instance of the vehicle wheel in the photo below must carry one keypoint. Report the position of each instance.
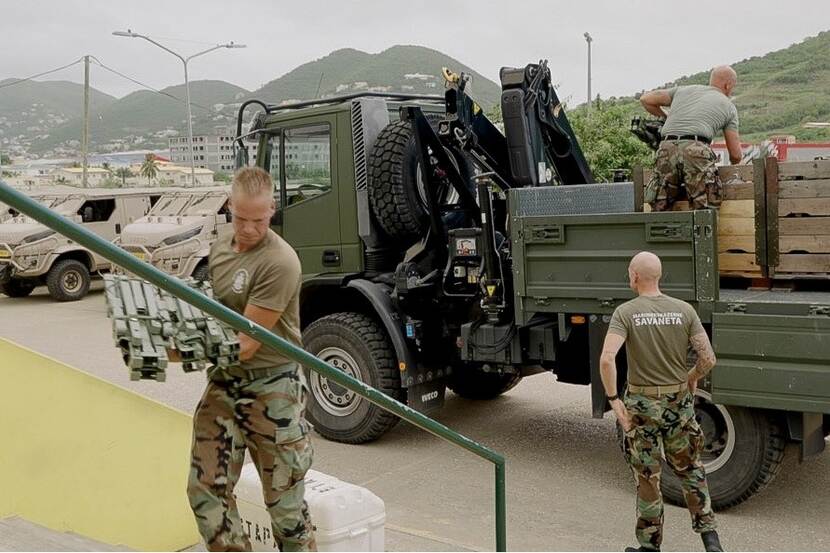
(472, 383)
(201, 273)
(743, 452)
(397, 194)
(68, 280)
(17, 288)
(355, 344)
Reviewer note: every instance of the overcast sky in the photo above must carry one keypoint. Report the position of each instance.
(637, 43)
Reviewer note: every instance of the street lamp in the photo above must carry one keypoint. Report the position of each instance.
(588, 39)
(130, 34)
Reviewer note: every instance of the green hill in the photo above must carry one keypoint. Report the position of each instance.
(411, 69)
(149, 114)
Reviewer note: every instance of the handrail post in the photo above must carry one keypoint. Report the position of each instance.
(501, 508)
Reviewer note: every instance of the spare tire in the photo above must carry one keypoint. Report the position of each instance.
(397, 194)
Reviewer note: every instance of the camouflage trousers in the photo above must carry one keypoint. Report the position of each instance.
(265, 416)
(684, 164)
(665, 427)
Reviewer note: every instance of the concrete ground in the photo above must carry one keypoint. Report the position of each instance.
(568, 487)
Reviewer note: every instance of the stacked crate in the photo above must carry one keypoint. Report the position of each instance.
(737, 217)
(798, 219)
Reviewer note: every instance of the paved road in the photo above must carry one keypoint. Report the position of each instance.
(568, 487)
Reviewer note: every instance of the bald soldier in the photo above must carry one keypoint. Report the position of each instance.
(685, 158)
(259, 405)
(657, 413)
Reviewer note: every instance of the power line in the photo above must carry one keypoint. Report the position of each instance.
(79, 60)
(148, 87)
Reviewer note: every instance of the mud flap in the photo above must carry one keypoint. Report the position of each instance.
(427, 396)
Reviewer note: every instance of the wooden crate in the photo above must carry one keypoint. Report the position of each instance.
(738, 233)
(798, 214)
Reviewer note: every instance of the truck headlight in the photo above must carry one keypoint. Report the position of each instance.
(181, 237)
(38, 236)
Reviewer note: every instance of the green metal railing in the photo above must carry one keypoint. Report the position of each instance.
(60, 224)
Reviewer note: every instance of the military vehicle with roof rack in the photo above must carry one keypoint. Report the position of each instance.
(32, 254)
(439, 252)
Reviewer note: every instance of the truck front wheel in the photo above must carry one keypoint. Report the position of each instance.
(742, 454)
(358, 346)
(17, 288)
(68, 280)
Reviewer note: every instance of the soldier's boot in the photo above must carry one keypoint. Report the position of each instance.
(711, 541)
(641, 548)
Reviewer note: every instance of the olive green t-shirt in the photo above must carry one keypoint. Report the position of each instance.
(701, 110)
(656, 331)
(268, 276)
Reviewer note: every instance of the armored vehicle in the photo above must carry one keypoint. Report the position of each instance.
(439, 252)
(32, 254)
(176, 234)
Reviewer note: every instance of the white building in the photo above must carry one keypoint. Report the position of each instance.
(213, 151)
(95, 176)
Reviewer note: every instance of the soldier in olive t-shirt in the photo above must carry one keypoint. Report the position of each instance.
(268, 276)
(656, 330)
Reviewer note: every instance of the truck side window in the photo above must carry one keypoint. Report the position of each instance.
(307, 162)
(97, 211)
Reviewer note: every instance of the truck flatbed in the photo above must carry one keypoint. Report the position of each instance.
(775, 296)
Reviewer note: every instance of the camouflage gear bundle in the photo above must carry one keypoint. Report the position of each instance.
(684, 164)
(146, 321)
(264, 415)
(666, 427)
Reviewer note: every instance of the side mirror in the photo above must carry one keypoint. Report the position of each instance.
(228, 217)
(117, 228)
(87, 215)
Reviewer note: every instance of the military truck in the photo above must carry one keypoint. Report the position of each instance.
(177, 233)
(32, 254)
(441, 252)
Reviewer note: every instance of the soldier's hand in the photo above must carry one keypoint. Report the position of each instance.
(692, 383)
(622, 415)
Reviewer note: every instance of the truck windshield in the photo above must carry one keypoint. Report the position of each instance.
(209, 204)
(169, 205)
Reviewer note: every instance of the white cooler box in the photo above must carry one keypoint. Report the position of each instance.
(346, 517)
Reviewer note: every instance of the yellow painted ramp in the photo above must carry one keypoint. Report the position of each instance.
(80, 454)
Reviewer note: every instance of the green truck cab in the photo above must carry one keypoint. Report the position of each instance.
(421, 276)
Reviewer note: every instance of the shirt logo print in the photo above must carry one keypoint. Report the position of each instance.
(240, 280)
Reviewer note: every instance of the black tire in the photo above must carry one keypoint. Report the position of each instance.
(357, 345)
(471, 383)
(201, 273)
(17, 288)
(395, 195)
(68, 280)
(735, 471)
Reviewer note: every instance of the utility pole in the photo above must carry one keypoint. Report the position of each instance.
(588, 39)
(85, 138)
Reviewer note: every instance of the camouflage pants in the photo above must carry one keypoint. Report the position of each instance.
(689, 164)
(265, 416)
(666, 426)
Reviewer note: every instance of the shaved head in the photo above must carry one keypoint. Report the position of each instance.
(724, 78)
(647, 267)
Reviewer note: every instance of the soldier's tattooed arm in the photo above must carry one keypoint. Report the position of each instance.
(705, 356)
(608, 373)
(263, 317)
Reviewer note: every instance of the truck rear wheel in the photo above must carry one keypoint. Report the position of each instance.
(743, 452)
(17, 288)
(472, 383)
(68, 280)
(356, 345)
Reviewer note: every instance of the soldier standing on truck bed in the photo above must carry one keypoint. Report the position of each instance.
(260, 404)
(685, 158)
(658, 409)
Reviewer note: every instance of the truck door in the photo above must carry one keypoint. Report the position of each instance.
(100, 215)
(302, 158)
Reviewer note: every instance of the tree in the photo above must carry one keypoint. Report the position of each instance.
(603, 133)
(124, 173)
(5, 159)
(149, 168)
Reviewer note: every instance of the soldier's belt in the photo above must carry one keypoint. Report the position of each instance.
(225, 374)
(657, 390)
